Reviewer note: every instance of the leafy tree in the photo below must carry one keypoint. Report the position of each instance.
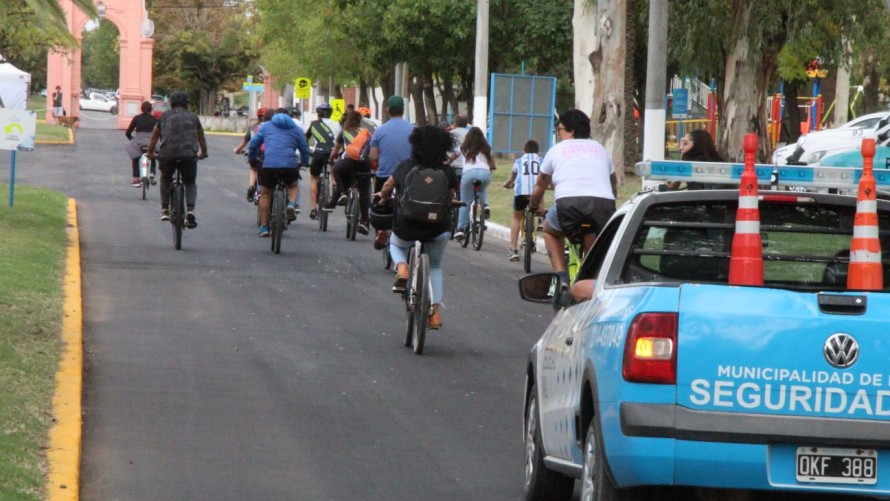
(100, 64)
(202, 50)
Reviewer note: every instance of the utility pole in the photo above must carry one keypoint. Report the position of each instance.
(656, 67)
(480, 87)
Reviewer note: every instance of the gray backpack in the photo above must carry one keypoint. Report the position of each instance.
(425, 198)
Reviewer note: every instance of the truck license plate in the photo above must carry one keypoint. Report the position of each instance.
(837, 466)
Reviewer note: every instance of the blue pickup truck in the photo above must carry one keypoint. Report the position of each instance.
(670, 376)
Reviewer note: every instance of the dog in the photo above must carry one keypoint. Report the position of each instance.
(66, 121)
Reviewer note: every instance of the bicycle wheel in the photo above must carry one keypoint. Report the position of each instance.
(323, 199)
(177, 214)
(465, 241)
(477, 225)
(408, 296)
(277, 219)
(423, 296)
(529, 239)
(352, 214)
(387, 258)
(455, 213)
(144, 187)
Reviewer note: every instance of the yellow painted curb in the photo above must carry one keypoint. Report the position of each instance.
(63, 483)
(69, 141)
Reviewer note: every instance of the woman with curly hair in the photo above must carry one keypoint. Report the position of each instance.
(478, 164)
(430, 148)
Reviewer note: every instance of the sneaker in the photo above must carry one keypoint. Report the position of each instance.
(362, 228)
(401, 278)
(291, 213)
(313, 214)
(514, 256)
(136, 182)
(342, 201)
(152, 180)
(486, 212)
(435, 320)
(165, 215)
(459, 234)
(381, 239)
(251, 193)
(264, 231)
(296, 208)
(190, 222)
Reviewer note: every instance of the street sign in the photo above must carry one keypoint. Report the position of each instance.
(681, 103)
(18, 129)
(303, 88)
(339, 106)
(250, 86)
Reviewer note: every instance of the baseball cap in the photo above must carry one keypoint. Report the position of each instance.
(395, 102)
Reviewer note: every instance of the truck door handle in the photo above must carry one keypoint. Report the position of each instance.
(837, 304)
(570, 340)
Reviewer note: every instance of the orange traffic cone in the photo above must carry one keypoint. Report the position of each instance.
(866, 271)
(746, 263)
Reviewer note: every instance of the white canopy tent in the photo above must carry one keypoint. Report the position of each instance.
(14, 84)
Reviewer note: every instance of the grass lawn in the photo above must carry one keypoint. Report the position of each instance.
(46, 133)
(33, 244)
(501, 199)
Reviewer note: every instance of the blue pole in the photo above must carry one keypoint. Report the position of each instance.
(11, 177)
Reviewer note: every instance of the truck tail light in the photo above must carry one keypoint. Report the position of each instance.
(650, 353)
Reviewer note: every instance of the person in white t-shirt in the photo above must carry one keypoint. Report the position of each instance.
(583, 178)
(522, 180)
(478, 164)
(459, 132)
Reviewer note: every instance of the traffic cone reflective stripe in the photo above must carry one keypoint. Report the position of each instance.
(866, 270)
(746, 262)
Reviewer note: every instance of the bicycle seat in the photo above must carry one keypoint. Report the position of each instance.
(477, 182)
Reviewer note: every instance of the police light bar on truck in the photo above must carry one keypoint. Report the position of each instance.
(731, 173)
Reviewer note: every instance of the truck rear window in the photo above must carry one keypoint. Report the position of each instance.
(805, 245)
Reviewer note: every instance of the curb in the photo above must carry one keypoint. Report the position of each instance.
(63, 457)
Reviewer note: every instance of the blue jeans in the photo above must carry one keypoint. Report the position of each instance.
(435, 248)
(466, 193)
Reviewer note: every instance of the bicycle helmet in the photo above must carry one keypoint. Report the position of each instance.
(381, 216)
(179, 99)
(324, 110)
(365, 112)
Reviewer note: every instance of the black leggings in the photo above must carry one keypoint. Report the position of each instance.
(346, 173)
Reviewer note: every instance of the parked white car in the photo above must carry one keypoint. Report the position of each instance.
(99, 102)
(815, 145)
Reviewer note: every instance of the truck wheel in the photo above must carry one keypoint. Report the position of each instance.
(540, 483)
(595, 482)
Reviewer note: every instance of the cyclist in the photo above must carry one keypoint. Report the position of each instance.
(324, 132)
(182, 144)
(346, 169)
(430, 147)
(583, 178)
(389, 148)
(522, 180)
(282, 138)
(263, 115)
(139, 133)
(478, 164)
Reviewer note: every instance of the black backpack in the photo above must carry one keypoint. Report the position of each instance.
(324, 136)
(425, 198)
(179, 135)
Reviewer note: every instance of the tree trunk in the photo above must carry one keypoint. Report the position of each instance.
(416, 89)
(632, 152)
(791, 121)
(585, 43)
(363, 98)
(871, 80)
(743, 109)
(608, 62)
(429, 97)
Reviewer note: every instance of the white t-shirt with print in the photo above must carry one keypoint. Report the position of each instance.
(579, 168)
(526, 168)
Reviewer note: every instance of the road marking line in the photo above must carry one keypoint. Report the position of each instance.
(63, 482)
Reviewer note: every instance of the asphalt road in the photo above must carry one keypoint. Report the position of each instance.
(225, 372)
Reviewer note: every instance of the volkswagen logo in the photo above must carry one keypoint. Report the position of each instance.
(841, 350)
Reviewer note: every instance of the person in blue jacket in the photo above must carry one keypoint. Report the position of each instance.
(282, 138)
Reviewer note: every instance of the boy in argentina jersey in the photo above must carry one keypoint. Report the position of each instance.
(522, 180)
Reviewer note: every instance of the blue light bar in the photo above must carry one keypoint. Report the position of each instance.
(731, 173)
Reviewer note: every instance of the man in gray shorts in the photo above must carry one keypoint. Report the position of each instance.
(583, 178)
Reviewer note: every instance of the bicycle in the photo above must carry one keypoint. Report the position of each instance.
(324, 197)
(574, 251)
(455, 208)
(353, 205)
(476, 230)
(417, 296)
(277, 217)
(177, 209)
(147, 170)
(528, 238)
